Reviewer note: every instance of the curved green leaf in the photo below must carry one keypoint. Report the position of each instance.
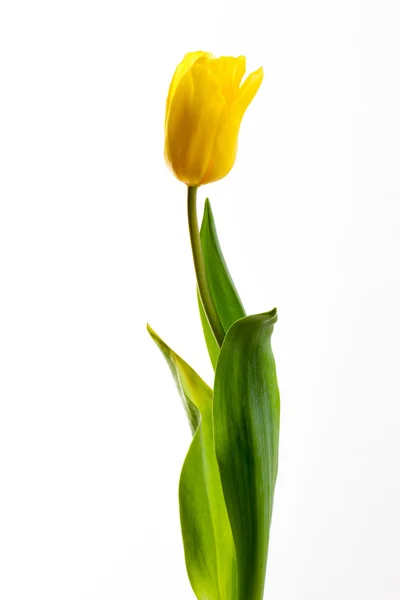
(186, 379)
(207, 536)
(246, 429)
(222, 288)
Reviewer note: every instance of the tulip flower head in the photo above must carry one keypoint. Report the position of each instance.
(205, 106)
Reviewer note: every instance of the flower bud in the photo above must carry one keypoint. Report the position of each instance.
(205, 106)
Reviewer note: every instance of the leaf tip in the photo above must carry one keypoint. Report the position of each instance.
(272, 315)
(154, 335)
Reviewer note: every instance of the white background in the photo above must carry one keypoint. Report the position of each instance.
(93, 243)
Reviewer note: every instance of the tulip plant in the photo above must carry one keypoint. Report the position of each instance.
(227, 483)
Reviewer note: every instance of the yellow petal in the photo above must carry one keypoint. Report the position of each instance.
(248, 90)
(229, 72)
(230, 68)
(240, 69)
(193, 119)
(224, 150)
(188, 61)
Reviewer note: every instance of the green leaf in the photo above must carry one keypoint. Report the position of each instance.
(222, 288)
(186, 379)
(246, 429)
(207, 536)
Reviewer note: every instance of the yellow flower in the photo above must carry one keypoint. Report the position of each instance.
(205, 106)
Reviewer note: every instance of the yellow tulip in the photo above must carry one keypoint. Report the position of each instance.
(205, 106)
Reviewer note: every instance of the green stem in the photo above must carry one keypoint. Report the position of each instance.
(200, 269)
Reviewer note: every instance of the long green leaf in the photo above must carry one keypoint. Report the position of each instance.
(209, 547)
(246, 429)
(222, 288)
(186, 380)
(207, 536)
